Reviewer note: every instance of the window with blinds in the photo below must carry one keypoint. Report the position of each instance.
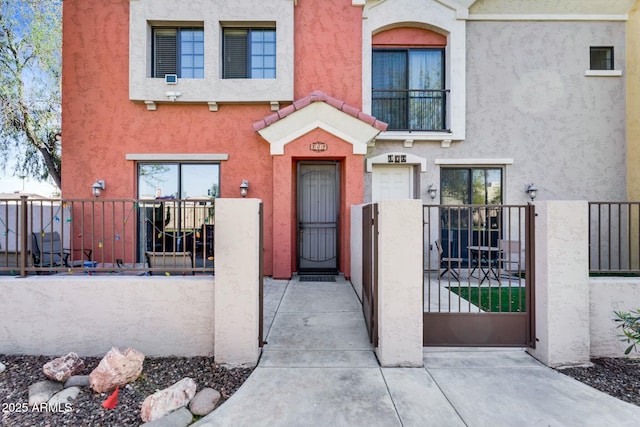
(178, 51)
(249, 53)
(601, 57)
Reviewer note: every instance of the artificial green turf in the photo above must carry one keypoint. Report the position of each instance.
(495, 299)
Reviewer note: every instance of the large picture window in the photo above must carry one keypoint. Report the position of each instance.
(178, 180)
(478, 186)
(409, 88)
(177, 210)
(477, 224)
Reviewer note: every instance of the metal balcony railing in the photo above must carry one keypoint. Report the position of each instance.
(92, 236)
(411, 109)
(614, 238)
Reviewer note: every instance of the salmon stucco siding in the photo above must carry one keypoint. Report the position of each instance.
(114, 112)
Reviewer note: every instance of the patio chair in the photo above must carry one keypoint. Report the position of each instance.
(510, 257)
(448, 264)
(47, 250)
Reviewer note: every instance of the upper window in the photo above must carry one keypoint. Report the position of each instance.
(601, 58)
(409, 89)
(249, 53)
(178, 51)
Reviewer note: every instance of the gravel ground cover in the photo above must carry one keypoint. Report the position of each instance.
(86, 410)
(618, 377)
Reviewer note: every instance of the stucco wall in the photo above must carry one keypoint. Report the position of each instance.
(101, 125)
(159, 316)
(608, 295)
(400, 283)
(633, 103)
(550, 7)
(356, 249)
(528, 100)
(561, 272)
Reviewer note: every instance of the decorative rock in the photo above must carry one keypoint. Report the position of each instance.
(180, 418)
(165, 401)
(77, 381)
(204, 401)
(59, 399)
(116, 368)
(62, 368)
(42, 391)
(2, 368)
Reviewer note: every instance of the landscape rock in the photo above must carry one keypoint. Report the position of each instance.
(77, 381)
(204, 402)
(42, 391)
(116, 368)
(61, 368)
(2, 368)
(168, 400)
(180, 418)
(65, 396)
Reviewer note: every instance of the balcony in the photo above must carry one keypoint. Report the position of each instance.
(410, 109)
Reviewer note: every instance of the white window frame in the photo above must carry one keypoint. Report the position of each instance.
(212, 89)
(437, 16)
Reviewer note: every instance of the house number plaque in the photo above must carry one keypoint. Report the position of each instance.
(318, 146)
(397, 158)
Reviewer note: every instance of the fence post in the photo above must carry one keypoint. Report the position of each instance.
(24, 246)
(562, 283)
(237, 283)
(400, 283)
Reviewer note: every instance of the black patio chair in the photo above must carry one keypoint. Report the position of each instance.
(47, 250)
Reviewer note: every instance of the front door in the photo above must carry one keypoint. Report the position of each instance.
(318, 214)
(392, 182)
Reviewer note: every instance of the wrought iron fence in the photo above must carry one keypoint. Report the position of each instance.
(90, 236)
(477, 247)
(410, 109)
(614, 238)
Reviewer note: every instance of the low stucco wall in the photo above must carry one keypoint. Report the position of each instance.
(609, 294)
(159, 316)
(356, 249)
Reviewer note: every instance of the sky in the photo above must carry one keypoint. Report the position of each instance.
(11, 184)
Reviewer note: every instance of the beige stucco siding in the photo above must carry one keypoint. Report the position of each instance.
(551, 7)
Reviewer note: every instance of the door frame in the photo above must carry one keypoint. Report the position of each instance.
(337, 165)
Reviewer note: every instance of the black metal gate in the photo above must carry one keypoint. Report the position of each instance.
(479, 276)
(370, 270)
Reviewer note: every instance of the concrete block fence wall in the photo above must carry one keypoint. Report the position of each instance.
(157, 315)
(574, 312)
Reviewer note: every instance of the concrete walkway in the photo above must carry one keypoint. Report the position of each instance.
(319, 369)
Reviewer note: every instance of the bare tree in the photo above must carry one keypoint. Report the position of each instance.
(30, 71)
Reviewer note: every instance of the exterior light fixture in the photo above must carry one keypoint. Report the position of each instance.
(432, 191)
(532, 190)
(98, 187)
(244, 188)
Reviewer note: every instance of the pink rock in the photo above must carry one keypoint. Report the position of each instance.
(168, 400)
(116, 368)
(61, 368)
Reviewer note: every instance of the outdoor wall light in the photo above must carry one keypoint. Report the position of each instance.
(244, 188)
(97, 187)
(532, 190)
(432, 191)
